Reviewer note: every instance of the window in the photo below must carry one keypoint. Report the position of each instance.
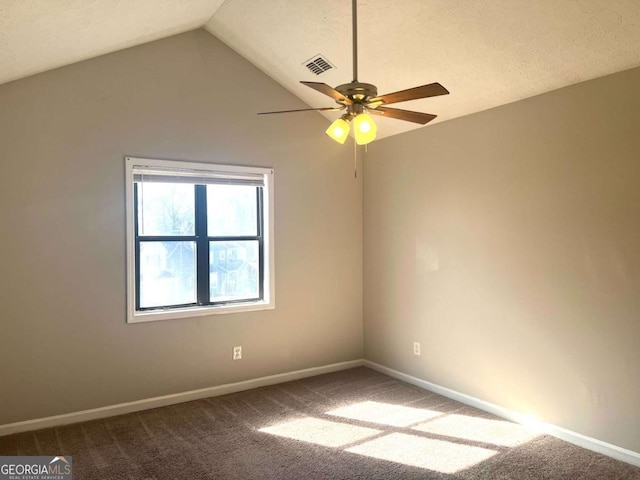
(199, 239)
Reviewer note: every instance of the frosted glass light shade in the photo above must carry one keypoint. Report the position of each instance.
(339, 130)
(364, 129)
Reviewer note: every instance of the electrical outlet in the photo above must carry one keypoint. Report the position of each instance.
(416, 348)
(237, 353)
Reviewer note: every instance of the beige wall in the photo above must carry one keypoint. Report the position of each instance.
(65, 345)
(508, 244)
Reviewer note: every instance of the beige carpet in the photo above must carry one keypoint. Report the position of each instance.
(355, 424)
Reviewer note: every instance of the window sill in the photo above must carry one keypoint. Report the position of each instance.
(189, 312)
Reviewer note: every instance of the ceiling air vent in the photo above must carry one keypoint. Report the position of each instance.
(318, 64)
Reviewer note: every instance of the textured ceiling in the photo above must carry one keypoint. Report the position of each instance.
(39, 35)
(486, 53)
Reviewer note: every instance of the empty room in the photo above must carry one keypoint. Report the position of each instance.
(297, 239)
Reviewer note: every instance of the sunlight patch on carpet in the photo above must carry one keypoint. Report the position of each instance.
(497, 432)
(385, 413)
(321, 432)
(437, 455)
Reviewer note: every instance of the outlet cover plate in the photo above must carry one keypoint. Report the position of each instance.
(237, 353)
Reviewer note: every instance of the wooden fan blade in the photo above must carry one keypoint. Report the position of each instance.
(322, 109)
(329, 91)
(409, 116)
(431, 90)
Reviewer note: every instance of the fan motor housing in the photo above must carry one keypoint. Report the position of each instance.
(358, 91)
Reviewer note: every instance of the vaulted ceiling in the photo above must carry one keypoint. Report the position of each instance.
(486, 53)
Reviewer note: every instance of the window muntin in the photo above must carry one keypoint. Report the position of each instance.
(200, 239)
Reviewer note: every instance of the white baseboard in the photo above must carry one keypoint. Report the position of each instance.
(122, 408)
(578, 439)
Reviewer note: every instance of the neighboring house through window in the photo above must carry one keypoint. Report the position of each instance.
(199, 239)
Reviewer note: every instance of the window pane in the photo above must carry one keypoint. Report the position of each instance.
(165, 209)
(167, 273)
(233, 270)
(231, 210)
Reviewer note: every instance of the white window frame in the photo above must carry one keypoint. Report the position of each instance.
(268, 301)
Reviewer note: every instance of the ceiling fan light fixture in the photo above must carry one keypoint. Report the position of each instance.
(364, 129)
(357, 97)
(339, 130)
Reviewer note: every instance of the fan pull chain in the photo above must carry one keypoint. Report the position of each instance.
(355, 159)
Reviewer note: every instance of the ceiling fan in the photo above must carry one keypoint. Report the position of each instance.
(358, 99)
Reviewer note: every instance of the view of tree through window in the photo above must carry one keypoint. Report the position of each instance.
(169, 242)
(231, 210)
(166, 209)
(199, 239)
